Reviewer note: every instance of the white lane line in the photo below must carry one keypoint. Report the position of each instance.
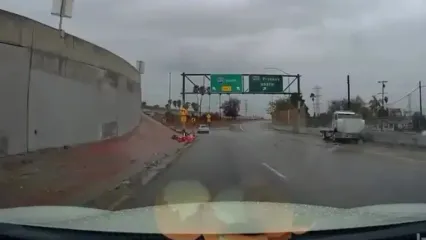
(274, 171)
(241, 127)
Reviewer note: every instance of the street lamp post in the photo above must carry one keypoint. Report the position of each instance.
(140, 65)
(170, 86)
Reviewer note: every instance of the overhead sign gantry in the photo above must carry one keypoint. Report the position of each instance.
(234, 84)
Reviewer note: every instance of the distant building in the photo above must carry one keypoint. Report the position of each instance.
(392, 123)
(395, 112)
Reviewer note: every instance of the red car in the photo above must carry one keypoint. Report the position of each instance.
(186, 138)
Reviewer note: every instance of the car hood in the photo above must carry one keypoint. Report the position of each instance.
(215, 217)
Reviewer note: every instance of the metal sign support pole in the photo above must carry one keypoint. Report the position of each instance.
(298, 104)
(183, 88)
(61, 15)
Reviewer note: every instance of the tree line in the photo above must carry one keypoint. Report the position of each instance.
(287, 103)
(229, 108)
(372, 108)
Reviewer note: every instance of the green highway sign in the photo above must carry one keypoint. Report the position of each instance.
(226, 83)
(265, 83)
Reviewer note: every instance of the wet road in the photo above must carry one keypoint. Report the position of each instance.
(254, 163)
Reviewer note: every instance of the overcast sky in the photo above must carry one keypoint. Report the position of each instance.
(323, 40)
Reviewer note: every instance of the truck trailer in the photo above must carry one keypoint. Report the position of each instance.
(345, 126)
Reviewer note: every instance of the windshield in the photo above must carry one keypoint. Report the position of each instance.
(138, 103)
(349, 116)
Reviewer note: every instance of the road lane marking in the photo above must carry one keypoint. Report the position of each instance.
(274, 171)
(118, 202)
(241, 127)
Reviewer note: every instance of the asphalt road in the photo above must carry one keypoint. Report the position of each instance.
(254, 163)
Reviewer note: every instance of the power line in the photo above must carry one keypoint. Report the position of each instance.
(402, 98)
(418, 88)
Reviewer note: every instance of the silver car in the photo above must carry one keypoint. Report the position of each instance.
(203, 128)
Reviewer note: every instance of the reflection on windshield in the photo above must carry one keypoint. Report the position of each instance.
(349, 116)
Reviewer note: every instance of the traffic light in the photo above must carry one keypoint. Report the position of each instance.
(196, 89)
(202, 90)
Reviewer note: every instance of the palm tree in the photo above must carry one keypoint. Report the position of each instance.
(187, 105)
(195, 107)
(167, 106)
(374, 105)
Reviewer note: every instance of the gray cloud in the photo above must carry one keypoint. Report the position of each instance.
(321, 39)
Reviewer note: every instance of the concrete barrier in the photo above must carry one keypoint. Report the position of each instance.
(60, 91)
(302, 130)
(398, 138)
(388, 138)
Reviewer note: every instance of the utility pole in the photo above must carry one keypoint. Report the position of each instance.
(170, 86)
(299, 95)
(410, 110)
(420, 98)
(383, 91)
(348, 81)
(383, 99)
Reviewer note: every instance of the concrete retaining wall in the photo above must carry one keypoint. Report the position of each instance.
(60, 91)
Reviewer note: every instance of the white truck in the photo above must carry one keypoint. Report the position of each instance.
(346, 125)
